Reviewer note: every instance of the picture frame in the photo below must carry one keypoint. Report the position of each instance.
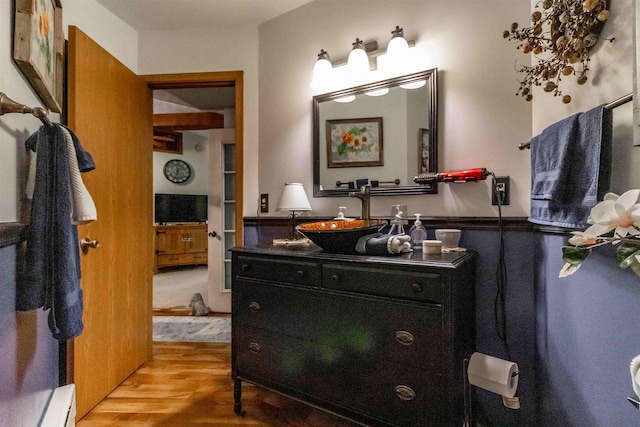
(355, 142)
(38, 48)
(426, 152)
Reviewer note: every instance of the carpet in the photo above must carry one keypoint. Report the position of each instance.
(194, 329)
(173, 288)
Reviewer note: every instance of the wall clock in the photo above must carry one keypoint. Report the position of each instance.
(177, 171)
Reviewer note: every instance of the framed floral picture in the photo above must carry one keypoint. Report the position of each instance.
(354, 142)
(38, 48)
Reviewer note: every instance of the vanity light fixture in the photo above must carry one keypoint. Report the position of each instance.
(358, 62)
(378, 92)
(321, 71)
(363, 58)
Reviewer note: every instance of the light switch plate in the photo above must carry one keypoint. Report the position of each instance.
(264, 203)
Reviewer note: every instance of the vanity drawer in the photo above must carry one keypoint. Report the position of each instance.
(280, 270)
(423, 287)
(369, 385)
(408, 335)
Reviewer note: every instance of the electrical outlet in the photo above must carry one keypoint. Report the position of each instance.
(264, 203)
(500, 188)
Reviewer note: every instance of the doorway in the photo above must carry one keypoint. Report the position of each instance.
(224, 227)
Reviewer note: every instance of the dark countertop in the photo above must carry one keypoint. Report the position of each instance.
(415, 258)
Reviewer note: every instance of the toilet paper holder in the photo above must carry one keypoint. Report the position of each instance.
(468, 407)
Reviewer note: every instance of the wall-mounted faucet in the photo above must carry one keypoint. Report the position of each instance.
(365, 196)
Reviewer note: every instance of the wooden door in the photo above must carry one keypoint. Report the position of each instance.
(110, 109)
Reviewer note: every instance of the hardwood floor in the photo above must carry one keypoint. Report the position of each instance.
(189, 384)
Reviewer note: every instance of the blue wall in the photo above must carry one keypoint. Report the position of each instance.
(29, 355)
(573, 338)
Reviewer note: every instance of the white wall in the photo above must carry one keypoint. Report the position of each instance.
(115, 36)
(213, 49)
(197, 160)
(481, 122)
(610, 77)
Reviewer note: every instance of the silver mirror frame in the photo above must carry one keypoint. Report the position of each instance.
(432, 82)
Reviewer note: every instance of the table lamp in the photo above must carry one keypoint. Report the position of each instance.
(293, 198)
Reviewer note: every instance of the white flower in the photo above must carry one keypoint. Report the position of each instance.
(580, 238)
(621, 214)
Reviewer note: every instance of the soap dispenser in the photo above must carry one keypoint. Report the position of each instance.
(418, 233)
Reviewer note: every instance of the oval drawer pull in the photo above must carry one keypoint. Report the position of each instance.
(254, 306)
(300, 273)
(255, 347)
(404, 392)
(405, 338)
(335, 278)
(246, 267)
(417, 287)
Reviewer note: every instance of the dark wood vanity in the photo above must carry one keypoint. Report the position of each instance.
(378, 340)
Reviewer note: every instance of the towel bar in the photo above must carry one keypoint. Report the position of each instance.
(8, 105)
(613, 104)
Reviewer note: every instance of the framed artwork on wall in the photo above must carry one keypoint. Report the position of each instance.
(38, 48)
(426, 153)
(354, 142)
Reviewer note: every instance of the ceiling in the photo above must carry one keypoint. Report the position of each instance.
(210, 98)
(150, 15)
(157, 15)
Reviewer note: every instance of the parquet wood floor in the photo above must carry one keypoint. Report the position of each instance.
(189, 384)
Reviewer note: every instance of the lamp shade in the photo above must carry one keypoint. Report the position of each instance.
(293, 198)
(321, 72)
(358, 62)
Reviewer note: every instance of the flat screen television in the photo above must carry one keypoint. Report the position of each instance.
(180, 208)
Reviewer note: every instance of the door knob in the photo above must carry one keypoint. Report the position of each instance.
(87, 243)
(212, 234)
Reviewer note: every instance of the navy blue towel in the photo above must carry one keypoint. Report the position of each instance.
(52, 277)
(571, 168)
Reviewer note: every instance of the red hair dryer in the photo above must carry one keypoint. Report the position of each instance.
(461, 176)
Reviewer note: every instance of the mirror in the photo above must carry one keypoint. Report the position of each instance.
(383, 140)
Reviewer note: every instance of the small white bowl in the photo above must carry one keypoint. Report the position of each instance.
(450, 237)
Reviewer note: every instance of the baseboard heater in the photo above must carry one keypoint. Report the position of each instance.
(61, 411)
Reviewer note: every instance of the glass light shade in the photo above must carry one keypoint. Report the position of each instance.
(397, 48)
(378, 92)
(414, 85)
(345, 99)
(321, 73)
(358, 63)
(293, 198)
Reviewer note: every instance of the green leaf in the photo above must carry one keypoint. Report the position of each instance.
(355, 131)
(626, 255)
(574, 255)
(341, 148)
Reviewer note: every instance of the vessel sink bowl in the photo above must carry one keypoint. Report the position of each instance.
(339, 237)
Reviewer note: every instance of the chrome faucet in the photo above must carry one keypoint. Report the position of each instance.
(365, 196)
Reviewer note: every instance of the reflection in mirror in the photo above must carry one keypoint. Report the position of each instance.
(382, 134)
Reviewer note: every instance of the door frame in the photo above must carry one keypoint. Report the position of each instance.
(206, 80)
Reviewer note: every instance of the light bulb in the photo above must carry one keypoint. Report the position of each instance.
(321, 72)
(358, 62)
